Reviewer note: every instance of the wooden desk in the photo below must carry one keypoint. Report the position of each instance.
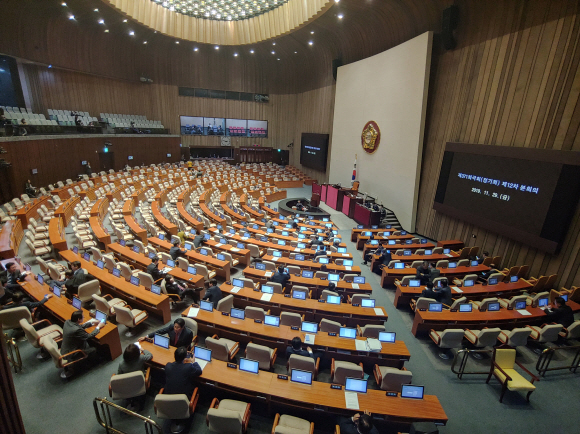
(56, 234)
(189, 220)
(243, 255)
(318, 396)
(66, 209)
(136, 229)
(62, 311)
(136, 296)
(277, 195)
(366, 216)
(30, 210)
(169, 227)
(11, 236)
(451, 244)
(346, 314)
(311, 265)
(398, 239)
(222, 268)
(266, 208)
(390, 274)
(404, 294)
(139, 260)
(412, 258)
(247, 330)
(504, 319)
(355, 232)
(100, 232)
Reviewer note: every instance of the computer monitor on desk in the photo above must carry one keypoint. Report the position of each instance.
(309, 327)
(435, 307)
(249, 365)
(299, 376)
(347, 332)
(388, 337)
(410, 391)
(355, 385)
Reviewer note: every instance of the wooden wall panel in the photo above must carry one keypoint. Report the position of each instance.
(59, 158)
(514, 82)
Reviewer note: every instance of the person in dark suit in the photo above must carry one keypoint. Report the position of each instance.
(281, 277)
(78, 278)
(213, 293)
(429, 292)
(179, 335)
(88, 169)
(14, 277)
(320, 252)
(18, 301)
(153, 269)
(180, 376)
(74, 336)
(358, 424)
(562, 314)
(172, 287)
(269, 224)
(384, 260)
(134, 360)
(423, 272)
(29, 189)
(444, 293)
(198, 240)
(378, 251)
(296, 348)
(176, 252)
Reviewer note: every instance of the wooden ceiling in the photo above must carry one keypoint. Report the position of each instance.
(40, 31)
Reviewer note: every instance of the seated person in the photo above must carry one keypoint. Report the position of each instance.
(429, 292)
(176, 252)
(153, 269)
(29, 189)
(78, 278)
(198, 240)
(358, 424)
(74, 336)
(296, 348)
(179, 335)
(213, 293)
(381, 249)
(424, 272)
(280, 277)
(18, 301)
(180, 375)
(384, 259)
(134, 359)
(479, 258)
(14, 277)
(172, 287)
(321, 251)
(444, 293)
(561, 314)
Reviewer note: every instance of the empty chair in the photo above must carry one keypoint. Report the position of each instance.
(301, 289)
(370, 330)
(255, 313)
(228, 417)
(290, 319)
(392, 379)
(327, 325)
(35, 337)
(10, 318)
(446, 340)
(222, 349)
(38, 250)
(130, 318)
(175, 407)
(203, 271)
(467, 278)
(421, 303)
(326, 293)
(457, 302)
(534, 301)
(502, 368)
(87, 290)
(263, 355)
(340, 371)
(107, 303)
(517, 337)
(481, 305)
(572, 332)
(127, 271)
(545, 334)
(291, 425)
(225, 304)
(444, 263)
(482, 338)
(63, 361)
(357, 298)
(130, 385)
(512, 301)
(303, 363)
(463, 263)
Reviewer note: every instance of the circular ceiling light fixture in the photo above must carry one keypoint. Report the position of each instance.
(222, 10)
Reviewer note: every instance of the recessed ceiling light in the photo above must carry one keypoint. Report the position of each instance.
(251, 51)
(217, 47)
(195, 48)
(273, 43)
(131, 33)
(50, 66)
(125, 20)
(144, 42)
(310, 42)
(296, 52)
(177, 42)
(312, 33)
(63, 4)
(340, 16)
(71, 17)
(278, 59)
(96, 10)
(106, 30)
(273, 52)
(336, 1)
(235, 54)
(101, 21)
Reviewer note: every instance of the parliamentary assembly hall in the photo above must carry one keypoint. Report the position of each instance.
(289, 216)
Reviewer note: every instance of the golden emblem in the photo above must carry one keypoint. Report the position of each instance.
(370, 137)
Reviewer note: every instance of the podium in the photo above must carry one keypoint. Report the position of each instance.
(348, 203)
(366, 216)
(335, 195)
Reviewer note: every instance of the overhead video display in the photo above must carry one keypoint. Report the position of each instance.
(206, 126)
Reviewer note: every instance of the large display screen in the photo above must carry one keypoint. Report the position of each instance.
(204, 126)
(529, 195)
(314, 151)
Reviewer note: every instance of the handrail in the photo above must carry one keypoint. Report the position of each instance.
(463, 356)
(106, 422)
(543, 363)
(13, 353)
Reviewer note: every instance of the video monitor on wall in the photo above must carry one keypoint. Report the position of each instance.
(237, 127)
(526, 194)
(257, 128)
(191, 125)
(314, 150)
(214, 126)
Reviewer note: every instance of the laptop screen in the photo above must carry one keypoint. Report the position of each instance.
(399, 265)
(100, 264)
(156, 289)
(122, 242)
(206, 305)
(161, 237)
(355, 385)
(346, 332)
(249, 365)
(333, 277)
(367, 302)
(171, 263)
(101, 316)
(348, 262)
(277, 254)
(520, 304)
(223, 241)
(374, 242)
(388, 337)
(87, 257)
(367, 233)
(238, 282)
(309, 327)
(492, 281)
(564, 296)
(299, 295)
(452, 265)
(493, 307)
(272, 320)
(410, 391)
(428, 252)
(191, 270)
(136, 249)
(360, 226)
(161, 341)
(237, 313)
(468, 282)
(474, 263)
(299, 257)
(435, 307)
(467, 307)
(264, 239)
(116, 272)
(446, 251)
(77, 304)
(423, 241)
(408, 241)
(134, 280)
(391, 242)
(414, 283)
(151, 255)
(307, 274)
(75, 250)
(323, 260)
(407, 252)
(374, 226)
(301, 236)
(56, 290)
(284, 233)
(358, 280)
(202, 353)
(268, 289)
(260, 266)
(299, 376)
(269, 230)
(513, 279)
(203, 252)
(333, 299)
(542, 302)
(341, 250)
(240, 246)
(206, 237)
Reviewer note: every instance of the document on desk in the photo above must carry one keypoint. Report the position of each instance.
(235, 249)
(219, 245)
(379, 311)
(309, 339)
(266, 297)
(346, 254)
(456, 289)
(193, 311)
(235, 289)
(355, 286)
(449, 255)
(348, 268)
(245, 238)
(361, 345)
(523, 312)
(268, 274)
(201, 363)
(297, 250)
(351, 400)
(275, 258)
(166, 270)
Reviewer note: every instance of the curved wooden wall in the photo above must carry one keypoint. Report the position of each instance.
(272, 24)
